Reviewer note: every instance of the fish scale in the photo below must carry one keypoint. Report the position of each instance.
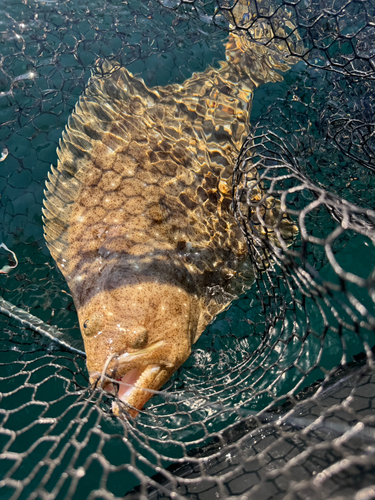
(138, 212)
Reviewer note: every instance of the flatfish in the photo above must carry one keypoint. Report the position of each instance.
(137, 214)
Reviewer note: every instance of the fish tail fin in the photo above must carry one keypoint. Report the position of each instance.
(257, 48)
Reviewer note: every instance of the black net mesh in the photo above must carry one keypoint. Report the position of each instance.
(276, 399)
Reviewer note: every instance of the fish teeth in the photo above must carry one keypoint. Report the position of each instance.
(139, 384)
(127, 356)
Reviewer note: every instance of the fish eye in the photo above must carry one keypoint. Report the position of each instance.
(141, 338)
(92, 324)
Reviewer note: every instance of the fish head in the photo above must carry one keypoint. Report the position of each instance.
(137, 335)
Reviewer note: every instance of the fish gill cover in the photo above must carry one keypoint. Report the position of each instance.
(276, 399)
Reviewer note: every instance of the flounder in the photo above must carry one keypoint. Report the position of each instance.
(138, 213)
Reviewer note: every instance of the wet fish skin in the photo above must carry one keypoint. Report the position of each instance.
(137, 214)
(142, 246)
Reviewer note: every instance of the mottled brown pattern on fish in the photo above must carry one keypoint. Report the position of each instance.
(137, 214)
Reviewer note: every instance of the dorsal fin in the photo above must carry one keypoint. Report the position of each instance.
(88, 127)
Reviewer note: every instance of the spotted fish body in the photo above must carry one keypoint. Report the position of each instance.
(138, 213)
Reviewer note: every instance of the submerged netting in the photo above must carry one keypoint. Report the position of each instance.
(276, 400)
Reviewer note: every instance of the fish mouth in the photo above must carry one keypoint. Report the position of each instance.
(135, 388)
(136, 377)
(126, 358)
